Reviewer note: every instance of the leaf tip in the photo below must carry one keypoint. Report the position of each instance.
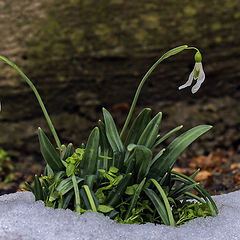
(96, 129)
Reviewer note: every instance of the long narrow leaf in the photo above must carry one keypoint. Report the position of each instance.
(149, 135)
(67, 184)
(174, 149)
(38, 192)
(48, 171)
(191, 195)
(114, 140)
(143, 156)
(182, 189)
(117, 192)
(90, 198)
(104, 147)
(112, 133)
(138, 126)
(68, 152)
(195, 174)
(90, 156)
(49, 153)
(77, 194)
(159, 154)
(201, 190)
(167, 136)
(67, 199)
(157, 202)
(166, 202)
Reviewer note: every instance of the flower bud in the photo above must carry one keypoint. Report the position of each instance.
(198, 57)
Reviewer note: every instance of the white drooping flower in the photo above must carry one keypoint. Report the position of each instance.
(197, 74)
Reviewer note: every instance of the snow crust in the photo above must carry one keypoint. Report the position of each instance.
(21, 218)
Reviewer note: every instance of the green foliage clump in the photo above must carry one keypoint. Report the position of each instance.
(123, 178)
(6, 167)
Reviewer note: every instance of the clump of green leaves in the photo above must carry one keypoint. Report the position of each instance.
(6, 167)
(129, 184)
(127, 176)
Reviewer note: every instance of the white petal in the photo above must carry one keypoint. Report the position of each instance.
(201, 76)
(198, 67)
(189, 81)
(200, 80)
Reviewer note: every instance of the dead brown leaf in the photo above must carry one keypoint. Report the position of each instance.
(236, 178)
(213, 160)
(205, 177)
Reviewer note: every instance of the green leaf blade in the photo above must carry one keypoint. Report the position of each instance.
(112, 133)
(167, 135)
(66, 185)
(38, 191)
(114, 140)
(143, 158)
(150, 133)
(166, 202)
(158, 205)
(116, 193)
(174, 149)
(105, 147)
(68, 152)
(49, 153)
(90, 156)
(138, 126)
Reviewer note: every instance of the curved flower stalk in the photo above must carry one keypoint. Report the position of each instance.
(196, 74)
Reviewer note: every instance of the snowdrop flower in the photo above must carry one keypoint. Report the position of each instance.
(197, 74)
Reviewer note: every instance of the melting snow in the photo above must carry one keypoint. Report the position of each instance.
(23, 218)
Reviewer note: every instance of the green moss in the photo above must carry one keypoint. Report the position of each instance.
(218, 39)
(103, 32)
(216, 26)
(6, 167)
(151, 21)
(78, 29)
(117, 1)
(237, 15)
(190, 11)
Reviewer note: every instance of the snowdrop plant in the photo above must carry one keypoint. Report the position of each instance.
(120, 175)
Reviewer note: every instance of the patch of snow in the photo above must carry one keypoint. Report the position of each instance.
(23, 218)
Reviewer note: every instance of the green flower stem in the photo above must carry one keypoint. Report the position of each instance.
(4, 59)
(164, 56)
(136, 97)
(192, 48)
